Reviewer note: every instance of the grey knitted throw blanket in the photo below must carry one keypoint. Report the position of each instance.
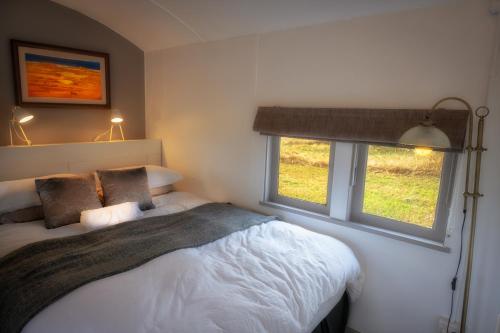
(38, 274)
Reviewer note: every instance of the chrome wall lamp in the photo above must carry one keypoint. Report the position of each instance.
(427, 135)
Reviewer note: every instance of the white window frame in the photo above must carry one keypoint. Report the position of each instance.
(345, 188)
(436, 233)
(273, 194)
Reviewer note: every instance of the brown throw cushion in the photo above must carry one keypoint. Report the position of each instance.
(64, 198)
(27, 214)
(128, 185)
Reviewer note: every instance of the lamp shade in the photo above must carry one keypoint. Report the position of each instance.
(21, 116)
(116, 116)
(425, 136)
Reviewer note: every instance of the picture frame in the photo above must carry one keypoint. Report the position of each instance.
(55, 76)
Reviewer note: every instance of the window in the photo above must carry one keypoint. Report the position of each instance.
(400, 190)
(301, 173)
(404, 190)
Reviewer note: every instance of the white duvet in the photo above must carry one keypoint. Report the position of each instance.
(275, 277)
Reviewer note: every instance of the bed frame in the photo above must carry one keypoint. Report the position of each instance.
(32, 161)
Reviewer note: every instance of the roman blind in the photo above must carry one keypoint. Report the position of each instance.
(372, 126)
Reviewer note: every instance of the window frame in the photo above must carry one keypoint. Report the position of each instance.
(436, 233)
(273, 190)
(344, 181)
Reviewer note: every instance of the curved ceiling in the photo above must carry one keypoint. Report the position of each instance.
(160, 24)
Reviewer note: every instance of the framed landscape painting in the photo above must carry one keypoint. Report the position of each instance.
(48, 75)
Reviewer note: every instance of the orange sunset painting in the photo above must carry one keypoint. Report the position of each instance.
(55, 77)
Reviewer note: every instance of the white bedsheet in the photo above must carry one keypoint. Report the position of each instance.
(275, 277)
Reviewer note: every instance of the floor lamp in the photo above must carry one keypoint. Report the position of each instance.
(427, 135)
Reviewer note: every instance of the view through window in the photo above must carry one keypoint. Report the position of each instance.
(303, 170)
(403, 184)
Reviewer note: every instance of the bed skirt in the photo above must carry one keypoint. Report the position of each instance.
(336, 320)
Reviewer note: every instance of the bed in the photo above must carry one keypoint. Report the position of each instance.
(268, 277)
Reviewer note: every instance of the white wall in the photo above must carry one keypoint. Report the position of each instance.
(486, 269)
(201, 100)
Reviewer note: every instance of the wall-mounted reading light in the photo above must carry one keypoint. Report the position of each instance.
(19, 117)
(116, 120)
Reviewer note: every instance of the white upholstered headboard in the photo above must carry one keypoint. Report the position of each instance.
(26, 162)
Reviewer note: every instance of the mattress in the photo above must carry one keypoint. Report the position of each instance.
(270, 278)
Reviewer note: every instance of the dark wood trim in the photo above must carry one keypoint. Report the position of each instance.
(15, 44)
(16, 71)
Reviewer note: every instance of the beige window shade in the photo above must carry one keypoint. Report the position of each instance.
(373, 126)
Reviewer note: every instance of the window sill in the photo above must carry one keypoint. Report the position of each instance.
(358, 226)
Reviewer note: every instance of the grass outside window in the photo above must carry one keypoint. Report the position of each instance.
(399, 184)
(303, 170)
(402, 185)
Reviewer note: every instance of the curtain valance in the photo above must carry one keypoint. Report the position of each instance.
(372, 126)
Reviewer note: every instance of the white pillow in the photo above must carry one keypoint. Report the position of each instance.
(18, 194)
(107, 216)
(159, 176)
(21, 193)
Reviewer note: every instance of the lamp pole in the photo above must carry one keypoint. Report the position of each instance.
(481, 113)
